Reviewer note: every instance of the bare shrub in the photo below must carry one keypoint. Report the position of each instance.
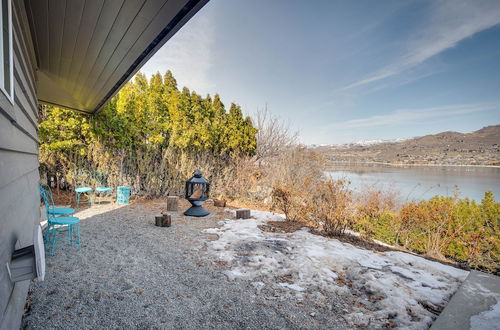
(330, 206)
(373, 202)
(292, 177)
(294, 167)
(238, 180)
(274, 137)
(283, 200)
(325, 204)
(375, 213)
(150, 172)
(278, 163)
(295, 175)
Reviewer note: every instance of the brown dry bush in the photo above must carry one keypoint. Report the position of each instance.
(293, 168)
(373, 202)
(325, 203)
(376, 210)
(237, 180)
(283, 200)
(254, 180)
(330, 205)
(290, 178)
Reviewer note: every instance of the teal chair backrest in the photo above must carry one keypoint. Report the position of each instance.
(46, 188)
(82, 178)
(46, 200)
(101, 179)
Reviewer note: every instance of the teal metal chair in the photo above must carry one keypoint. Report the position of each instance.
(45, 188)
(56, 225)
(83, 187)
(102, 189)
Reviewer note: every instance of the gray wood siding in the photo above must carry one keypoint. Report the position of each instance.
(19, 198)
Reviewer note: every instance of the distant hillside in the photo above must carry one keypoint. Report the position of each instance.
(481, 147)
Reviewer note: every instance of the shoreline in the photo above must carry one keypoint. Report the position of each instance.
(411, 165)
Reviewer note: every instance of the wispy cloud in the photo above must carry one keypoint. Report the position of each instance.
(448, 23)
(189, 54)
(405, 116)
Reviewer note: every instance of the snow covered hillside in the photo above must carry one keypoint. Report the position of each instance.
(385, 288)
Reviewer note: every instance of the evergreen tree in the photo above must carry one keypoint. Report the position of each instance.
(146, 116)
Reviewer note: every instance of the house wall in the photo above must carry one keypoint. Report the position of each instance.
(19, 198)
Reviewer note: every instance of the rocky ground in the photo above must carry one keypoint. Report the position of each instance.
(217, 272)
(131, 274)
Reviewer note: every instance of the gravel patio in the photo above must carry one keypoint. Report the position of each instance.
(131, 274)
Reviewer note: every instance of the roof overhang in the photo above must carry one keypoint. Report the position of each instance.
(87, 50)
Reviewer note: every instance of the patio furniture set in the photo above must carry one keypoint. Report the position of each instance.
(62, 219)
(88, 183)
(59, 220)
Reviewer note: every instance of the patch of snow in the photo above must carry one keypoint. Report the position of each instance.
(487, 320)
(292, 286)
(391, 285)
(328, 272)
(353, 233)
(382, 243)
(212, 230)
(474, 287)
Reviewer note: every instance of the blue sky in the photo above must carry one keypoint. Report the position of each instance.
(344, 71)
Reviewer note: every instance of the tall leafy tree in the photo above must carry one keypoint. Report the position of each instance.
(135, 129)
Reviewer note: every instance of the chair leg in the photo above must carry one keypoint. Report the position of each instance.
(47, 236)
(70, 234)
(53, 241)
(78, 235)
(79, 198)
(76, 228)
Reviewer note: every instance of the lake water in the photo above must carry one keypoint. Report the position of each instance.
(422, 182)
